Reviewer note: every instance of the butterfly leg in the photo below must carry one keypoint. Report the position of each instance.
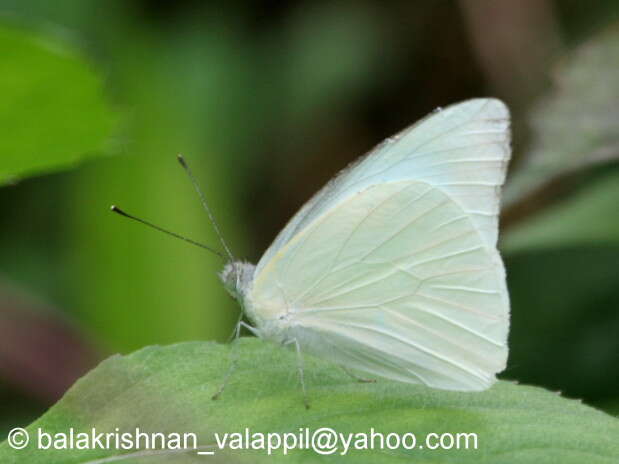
(300, 369)
(233, 352)
(357, 378)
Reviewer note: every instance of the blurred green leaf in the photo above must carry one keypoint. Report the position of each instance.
(576, 125)
(53, 110)
(589, 217)
(132, 286)
(562, 277)
(328, 52)
(168, 389)
(564, 320)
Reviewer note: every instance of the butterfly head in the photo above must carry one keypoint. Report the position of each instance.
(237, 277)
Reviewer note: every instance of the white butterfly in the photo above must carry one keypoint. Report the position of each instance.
(392, 267)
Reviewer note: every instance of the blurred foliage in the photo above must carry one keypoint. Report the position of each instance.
(561, 256)
(575, 126)
(169, 390)
(179, 107)
(565, 323)
(53, 110)
(587, 217)
(330, 53)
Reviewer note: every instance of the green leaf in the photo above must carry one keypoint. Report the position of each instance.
(53, 111)
(576, 125)
(169, 389)
(588, 217)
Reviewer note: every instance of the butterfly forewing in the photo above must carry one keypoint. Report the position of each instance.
(392, 267)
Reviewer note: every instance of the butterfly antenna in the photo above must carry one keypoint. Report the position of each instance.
(187, 169)
(119, 211)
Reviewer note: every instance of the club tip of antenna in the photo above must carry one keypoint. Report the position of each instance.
(181, 160)
(116, 209)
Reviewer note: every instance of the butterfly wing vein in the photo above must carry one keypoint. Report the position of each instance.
(392, 268)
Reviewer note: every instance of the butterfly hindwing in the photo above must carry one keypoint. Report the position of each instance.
(401, 270)
(392, 267)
